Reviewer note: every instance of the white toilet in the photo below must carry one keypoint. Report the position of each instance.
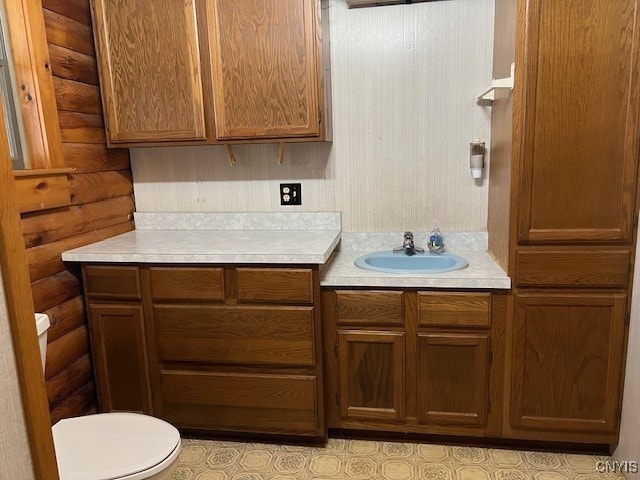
(112, 446)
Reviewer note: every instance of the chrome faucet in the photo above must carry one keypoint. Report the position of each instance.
(408, 248)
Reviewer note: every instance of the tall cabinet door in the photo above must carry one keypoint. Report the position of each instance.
(265, 78)
(567, 362)
(371, 374)
(119, 357)
(453, 372)
(580, 126)
(149, 70)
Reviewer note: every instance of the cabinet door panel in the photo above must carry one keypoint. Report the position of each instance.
(119, 357)
(567, 362)
(580, 144)
(371, 374)
(264, 69)
(453, 378)
(150, 70)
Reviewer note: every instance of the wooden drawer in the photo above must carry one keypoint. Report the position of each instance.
(249, 335)
(262, 403)
(369, 308)
(454, 309)
(293, 285)
(188, 283)
(572, 267)
(106, 281)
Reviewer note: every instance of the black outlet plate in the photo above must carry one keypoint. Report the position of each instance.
(290, 194)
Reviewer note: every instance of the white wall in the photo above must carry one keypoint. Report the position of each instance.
(629, 446)
(404, 81)
(15, 456)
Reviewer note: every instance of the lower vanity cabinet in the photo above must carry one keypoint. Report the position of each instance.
(224, 348)
(116, 328)
(414, 361)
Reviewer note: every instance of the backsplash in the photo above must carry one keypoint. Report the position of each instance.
(404, 81)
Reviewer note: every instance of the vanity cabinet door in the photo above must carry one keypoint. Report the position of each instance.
(567, 361)
(120, 357)
(453, 371)
(371, 375)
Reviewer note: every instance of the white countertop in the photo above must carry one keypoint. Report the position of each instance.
(211, 246)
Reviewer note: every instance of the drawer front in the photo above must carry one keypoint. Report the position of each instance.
(573, 268)
(294, 285)
(177, 283)
(251, 335)
(261, 403)
(105, 281)
(369, 308)
(454, 309)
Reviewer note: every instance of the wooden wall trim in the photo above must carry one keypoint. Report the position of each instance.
(28, 40)
(23, 330)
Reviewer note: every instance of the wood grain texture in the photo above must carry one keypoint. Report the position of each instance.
(45, 260)
(120, 357)
(579, 158)
(65, 318)
(428, 123)
(279, 336)
(144, 50)
(281, 285)
(78, 127)
(66, 350)
(454, 386)
(567, 362)
(369, 308)
(284, 404)
(93, 187)
(571, 267)
(72, 65)
(454, 309)
(66, 32)
(371, 374)
(90, 158)
(54, 290)
(80, 403)
(264, 68)
(42, 192)
(112, 281)
(68, 381)
(70, 221)
(78, 10)
(77, 96)
(176, 283)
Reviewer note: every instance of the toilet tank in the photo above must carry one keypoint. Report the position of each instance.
(42, 325)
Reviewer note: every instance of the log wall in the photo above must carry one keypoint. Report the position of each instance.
(101, 207)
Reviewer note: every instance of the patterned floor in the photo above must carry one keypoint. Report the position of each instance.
(362, 460)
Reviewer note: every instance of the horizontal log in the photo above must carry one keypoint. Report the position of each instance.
(42, 192)
(47, 227)
(68, 381)
(68, 33)
(78, 127)
(88, 158)
(66, 317)
(62, 352)
(72, 65)
(93, 187)
(46, 260)
(76, 96)
(54, 290)
(77, 405)
(78, 10)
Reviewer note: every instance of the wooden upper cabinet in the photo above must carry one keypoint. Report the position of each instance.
(264, 61)
(150, 71)
(567, 362)
(580, 138)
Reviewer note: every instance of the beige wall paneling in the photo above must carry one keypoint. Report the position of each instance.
(404, 81)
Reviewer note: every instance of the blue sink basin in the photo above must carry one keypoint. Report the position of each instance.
(390, 262)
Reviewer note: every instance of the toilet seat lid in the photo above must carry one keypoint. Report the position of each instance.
(109, 446)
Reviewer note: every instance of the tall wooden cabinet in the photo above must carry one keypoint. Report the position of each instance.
(565, 161)
(212, 71)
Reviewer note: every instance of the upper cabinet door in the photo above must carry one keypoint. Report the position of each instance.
(264, 67)
(150, 70)
(580, 111)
